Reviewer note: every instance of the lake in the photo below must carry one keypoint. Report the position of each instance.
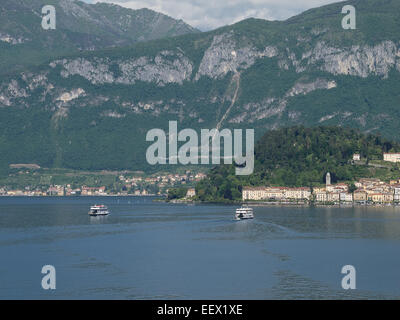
(155, 250)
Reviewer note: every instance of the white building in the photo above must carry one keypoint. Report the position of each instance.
(191, 193)
(253, 193)
(396, 191)
(332, 196)
(275, 193)
(297, 193)
(321, 197)
(346, 197)
(391, 157)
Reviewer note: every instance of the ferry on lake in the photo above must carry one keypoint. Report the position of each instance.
(98, 210)
(244, 213)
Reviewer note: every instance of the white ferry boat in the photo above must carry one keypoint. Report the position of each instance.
(244, 213)
(98, 210)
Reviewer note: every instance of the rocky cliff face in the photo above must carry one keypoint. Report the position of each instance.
(226, 55)
(360, 61)
(165, 67)
(223, 57)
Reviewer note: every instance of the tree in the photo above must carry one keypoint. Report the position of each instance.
(352, 188)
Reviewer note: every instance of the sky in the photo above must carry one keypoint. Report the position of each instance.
(211, 14)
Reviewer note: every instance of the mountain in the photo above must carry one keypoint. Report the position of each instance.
(79, 27)
(301, 157)
(92, 110)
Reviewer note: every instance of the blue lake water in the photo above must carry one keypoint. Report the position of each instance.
(151, 250)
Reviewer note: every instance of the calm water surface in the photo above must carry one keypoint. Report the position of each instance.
(149, 250)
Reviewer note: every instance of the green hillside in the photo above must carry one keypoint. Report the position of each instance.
(254, 74)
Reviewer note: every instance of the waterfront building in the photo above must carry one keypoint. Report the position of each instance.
(191, 193)
(91, 191)
(276, 193)
(396, 192)
(253, 193)
(360, 195)
(52, 191)
(381, 197)
(346, 197)
(15, 193)
(321, 197)
(297, 193)
(332, 197)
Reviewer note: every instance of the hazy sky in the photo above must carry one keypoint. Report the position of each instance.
(211, 14)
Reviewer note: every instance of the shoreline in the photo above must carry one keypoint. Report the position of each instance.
(85, 196)
(161, 198)
(285, 204)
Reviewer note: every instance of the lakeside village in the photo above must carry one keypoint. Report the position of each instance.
(127, 186)
(369, 191)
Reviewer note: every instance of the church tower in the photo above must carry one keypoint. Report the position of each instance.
(328, 179)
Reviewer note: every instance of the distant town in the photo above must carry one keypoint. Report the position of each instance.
(366, 190)
(125, 186)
